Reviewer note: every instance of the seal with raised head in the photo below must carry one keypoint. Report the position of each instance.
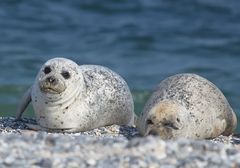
(187, 105)
(71, 98)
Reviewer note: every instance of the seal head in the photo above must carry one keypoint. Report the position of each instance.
(57, 76)
(165, 120)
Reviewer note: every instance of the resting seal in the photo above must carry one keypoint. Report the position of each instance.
(187, 105)
(71, 98)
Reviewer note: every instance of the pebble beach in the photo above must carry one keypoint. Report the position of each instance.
(111, 146)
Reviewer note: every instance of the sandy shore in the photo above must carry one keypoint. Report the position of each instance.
(112, 146)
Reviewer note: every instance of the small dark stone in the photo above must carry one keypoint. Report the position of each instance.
(45, 162)
(50, 141)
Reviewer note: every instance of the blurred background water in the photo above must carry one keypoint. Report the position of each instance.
(144, 41)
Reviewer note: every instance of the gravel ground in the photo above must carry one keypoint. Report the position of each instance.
(112, 146)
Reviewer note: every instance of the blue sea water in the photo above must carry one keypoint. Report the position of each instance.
(144, 41)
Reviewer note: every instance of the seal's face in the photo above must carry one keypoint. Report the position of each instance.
(52, 83)
(165, 120)
(57, 75)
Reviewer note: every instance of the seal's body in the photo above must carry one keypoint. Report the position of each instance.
(74, 98)
(187, 105)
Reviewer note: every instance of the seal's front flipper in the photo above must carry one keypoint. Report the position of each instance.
(26, 99)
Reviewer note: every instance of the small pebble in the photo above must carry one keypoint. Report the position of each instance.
(91, 162)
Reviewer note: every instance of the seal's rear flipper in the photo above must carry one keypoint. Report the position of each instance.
(26, 99)
(36, 127)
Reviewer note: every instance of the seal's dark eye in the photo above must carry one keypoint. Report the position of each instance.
(47, 70)
(149, 122)
(65, 74)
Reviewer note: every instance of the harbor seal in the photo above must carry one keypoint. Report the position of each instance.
(187, 105)
(71, 98)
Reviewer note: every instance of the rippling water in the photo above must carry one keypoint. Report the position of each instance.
(143, 40)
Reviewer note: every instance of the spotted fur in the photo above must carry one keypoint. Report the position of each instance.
(187, 105)
(75, 98)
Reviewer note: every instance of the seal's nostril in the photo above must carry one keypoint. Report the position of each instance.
(51, 79)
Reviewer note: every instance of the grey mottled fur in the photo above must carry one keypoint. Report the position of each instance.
(194, 107)
(92, 97)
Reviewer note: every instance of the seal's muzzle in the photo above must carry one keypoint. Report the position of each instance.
(52, 80)
(52, 85)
